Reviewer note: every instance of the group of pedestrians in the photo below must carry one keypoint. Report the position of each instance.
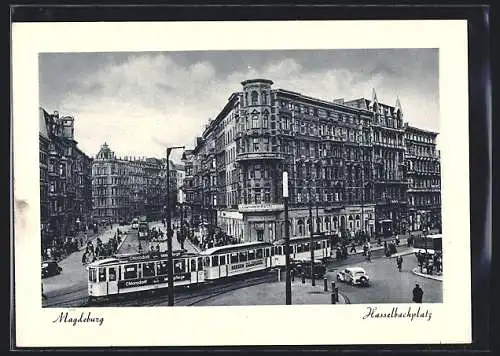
(430, 262)
(101, 250)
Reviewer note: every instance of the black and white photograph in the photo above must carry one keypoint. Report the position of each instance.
(306, 179)
(348, 137)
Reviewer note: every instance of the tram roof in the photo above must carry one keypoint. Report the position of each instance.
(302, 239)
(229, 248)
(105, 261)
(139, 257)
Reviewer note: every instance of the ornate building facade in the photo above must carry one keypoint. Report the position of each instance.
(124, 188)
(345, 159)
(65, 179)
(424, 179)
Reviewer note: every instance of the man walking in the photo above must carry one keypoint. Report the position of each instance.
(399, 262)
(418, 293)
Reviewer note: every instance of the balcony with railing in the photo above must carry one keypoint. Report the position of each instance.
(250, 156)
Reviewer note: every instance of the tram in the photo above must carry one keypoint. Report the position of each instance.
(140, 272)
(300, 249)
(123, 274)
(231, 260)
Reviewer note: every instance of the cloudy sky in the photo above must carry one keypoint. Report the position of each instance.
(141, 102)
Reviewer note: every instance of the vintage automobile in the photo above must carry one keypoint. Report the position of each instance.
(354, 276)
(50, 268)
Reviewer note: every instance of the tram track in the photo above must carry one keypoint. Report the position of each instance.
(158, 297)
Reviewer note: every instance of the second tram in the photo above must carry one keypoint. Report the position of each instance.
(300, 249)
(231, 260)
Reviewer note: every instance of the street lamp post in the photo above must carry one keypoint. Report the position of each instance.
(311, 232)
(181, 211)
(317, 219)
(169, 232)
(363, 201)
(288, 282)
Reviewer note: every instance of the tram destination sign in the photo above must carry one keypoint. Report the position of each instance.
(140, 282)
(247, 208)
(247, 264)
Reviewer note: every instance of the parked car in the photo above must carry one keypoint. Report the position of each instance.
(122, 222)
(304, 268)
(354, 276)
(50, 268)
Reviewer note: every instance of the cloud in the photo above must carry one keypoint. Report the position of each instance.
(148, 101)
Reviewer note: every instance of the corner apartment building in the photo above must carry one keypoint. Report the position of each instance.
(65, 179)
(424, 179)
(124, 188)
(346, 159)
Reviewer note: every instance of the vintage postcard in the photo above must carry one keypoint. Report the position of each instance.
(156, 166)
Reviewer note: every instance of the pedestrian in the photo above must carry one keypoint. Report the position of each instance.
(399, 262)
(369, 255)
(157, 252)
(418, 293)
(353, 248)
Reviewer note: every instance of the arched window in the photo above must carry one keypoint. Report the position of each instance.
(265, 122)
(255, 98)
(264, 98)
(255, 122)
(300, 225)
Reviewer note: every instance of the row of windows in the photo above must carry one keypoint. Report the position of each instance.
(416, 200)
(143, 270)
(420, 138)
(390, 139)
(423, 183)
(424, 151)
(115, 212)
(423, 166)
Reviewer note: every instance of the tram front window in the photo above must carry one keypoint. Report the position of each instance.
(259, 253)
(92, 275)
(102, 274)
(193, 265)
(215, 261)
(112, 274)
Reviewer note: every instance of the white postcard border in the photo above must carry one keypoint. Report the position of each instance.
(259, 325)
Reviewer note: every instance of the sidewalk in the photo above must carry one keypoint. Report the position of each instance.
(436, 277)
(273, 293)
(375, 246)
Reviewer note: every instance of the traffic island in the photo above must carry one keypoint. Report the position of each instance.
(273, 293)
(435, 276)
